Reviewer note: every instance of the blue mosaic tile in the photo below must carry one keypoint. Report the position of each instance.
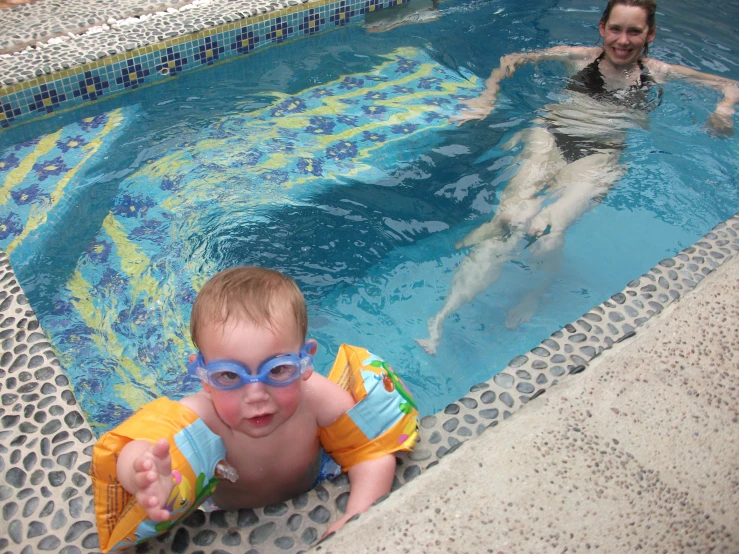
(246, 40)
(371, 6)
(312, 22)
(209, 51)
(342, 14)
(90, 86)
(47, 99)
(279, 30)
(171, 61)
(132, 75)
(8, 113)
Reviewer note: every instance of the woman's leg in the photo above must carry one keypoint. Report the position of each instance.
(540, 160)
(480, 269)
(494, 242)
(546, 264)
(578, 186)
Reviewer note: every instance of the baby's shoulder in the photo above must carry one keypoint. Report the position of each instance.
(202, 404)
(325, 399)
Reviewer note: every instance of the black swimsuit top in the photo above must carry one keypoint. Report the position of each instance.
(646, 95)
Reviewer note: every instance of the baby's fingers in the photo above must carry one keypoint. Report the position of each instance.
(158, 514)
(161, 449)
(142, 464)
(151, 504)
(144, 479)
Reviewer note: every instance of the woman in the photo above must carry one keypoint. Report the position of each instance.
(570, 155)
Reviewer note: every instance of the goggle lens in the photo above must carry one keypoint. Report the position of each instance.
(282, 373)
(224, 379)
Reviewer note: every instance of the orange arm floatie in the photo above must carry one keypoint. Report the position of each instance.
(384, 419)
(195, 451)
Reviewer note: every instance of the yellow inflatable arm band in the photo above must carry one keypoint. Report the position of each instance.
(384, 419)
(195, 451)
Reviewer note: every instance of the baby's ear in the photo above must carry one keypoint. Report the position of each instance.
(311, 346)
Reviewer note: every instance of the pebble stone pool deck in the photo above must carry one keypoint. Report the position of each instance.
(45, 442)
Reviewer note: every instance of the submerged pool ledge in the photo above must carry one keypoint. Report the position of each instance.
(45, 490)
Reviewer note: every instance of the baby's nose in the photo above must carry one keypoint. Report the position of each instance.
(254, 392)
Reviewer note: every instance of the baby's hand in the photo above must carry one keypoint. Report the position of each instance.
(153, 480)
(335, 526)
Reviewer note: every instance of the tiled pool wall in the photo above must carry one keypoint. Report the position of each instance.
(45, 442)
(42, 81)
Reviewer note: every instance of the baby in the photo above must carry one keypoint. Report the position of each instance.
(261, 397)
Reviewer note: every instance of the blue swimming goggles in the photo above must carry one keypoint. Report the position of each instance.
(277, 371)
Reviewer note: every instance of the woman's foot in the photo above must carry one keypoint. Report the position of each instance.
(428, 345)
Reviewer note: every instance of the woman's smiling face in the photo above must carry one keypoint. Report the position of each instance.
(625, 35)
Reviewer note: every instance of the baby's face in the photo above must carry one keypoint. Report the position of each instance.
(255, 409)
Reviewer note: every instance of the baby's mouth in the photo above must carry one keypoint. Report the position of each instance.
(260, 420)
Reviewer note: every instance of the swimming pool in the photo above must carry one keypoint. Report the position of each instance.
(338, 166)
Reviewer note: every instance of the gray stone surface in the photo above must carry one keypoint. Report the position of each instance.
(640, 453)
(40, 44)
(41, 20)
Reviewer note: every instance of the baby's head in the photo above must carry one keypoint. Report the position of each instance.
(249, 324)
(255, 295)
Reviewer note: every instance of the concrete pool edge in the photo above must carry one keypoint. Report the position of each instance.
(46, 443)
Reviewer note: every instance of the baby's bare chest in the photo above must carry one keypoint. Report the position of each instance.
(270, 471)
(271, 456)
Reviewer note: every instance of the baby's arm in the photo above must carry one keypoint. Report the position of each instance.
(145, 470)
(369, 481)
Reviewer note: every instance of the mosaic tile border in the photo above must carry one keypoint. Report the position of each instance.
(45, 443)
(31, 91)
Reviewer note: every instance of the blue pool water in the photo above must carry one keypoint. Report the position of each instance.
(331, 158)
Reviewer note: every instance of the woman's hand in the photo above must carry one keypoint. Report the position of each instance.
(720, 124)
(480, 107)
(477, 108)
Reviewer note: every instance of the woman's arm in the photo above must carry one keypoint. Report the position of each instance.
(480, 107)
(721, 120)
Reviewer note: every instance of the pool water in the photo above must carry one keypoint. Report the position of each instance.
(332, 159)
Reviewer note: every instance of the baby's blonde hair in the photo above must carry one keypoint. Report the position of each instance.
(260, 296)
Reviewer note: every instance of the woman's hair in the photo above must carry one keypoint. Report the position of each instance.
(259, 296)
(649, 6)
